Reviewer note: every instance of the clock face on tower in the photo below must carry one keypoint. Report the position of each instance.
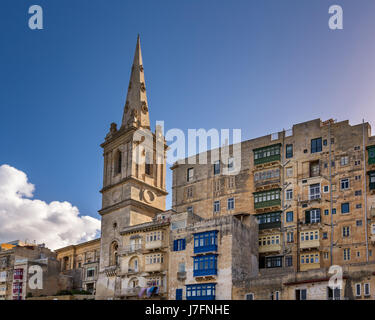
(116, 196)
(147, 196)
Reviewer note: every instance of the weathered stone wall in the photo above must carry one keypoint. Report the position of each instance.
(244, 249)
(235, 260)
(295, 173)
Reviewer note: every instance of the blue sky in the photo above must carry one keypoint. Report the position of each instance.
(256, 65)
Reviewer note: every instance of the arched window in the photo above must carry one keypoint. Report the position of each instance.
(133, 264)
(118, 162)
(114, 254)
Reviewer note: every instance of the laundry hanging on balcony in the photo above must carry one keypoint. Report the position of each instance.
(141, 292)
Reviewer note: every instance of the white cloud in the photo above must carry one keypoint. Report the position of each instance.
(57, 224)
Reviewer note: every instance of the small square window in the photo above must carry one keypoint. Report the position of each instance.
(316, 145)
(289, 216)
(289, 194)
(366, 288)
(190, 174)
(345, 231)
(289, 151)
(346, 254)
(344, 161)
(230, 204)
(344, 184)
(216, 206)
(358, 289)
(217, 167)
(345, 208)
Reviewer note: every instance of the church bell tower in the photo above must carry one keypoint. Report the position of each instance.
(134, 172)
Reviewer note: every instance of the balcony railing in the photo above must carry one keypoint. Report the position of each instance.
(267, 182)
(263, 160)
(132, 248)
(131, 292)
(181, 275)
(308, 244)
(269, 225)
(316, 196)
(154, 267)
(133, 270)
(270, 248)
(111, 271)
(309, 266)
(154, 244)
(266, 204)
(205, 272)
(207, 248)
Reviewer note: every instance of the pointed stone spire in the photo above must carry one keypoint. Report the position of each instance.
(136, 106)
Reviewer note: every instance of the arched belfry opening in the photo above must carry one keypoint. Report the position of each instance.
(114, 258)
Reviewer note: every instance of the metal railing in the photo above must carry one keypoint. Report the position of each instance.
(132, 248)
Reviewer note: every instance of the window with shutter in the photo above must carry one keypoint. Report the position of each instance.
(307, 217)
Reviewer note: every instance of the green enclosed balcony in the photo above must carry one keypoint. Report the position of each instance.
(371, 154)
(267, 199)
(267, 154)
(269, 220)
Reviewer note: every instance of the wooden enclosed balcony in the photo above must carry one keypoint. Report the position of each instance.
(154, 267)
(270, 243)
(154, 245)
(309, 239)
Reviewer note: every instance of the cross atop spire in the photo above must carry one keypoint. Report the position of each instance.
(136, 106)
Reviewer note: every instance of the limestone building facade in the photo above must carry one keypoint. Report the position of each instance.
(310, 189)
(301, 184)
(17, 266)
(207, 256)
(81, 263)
(142, 271)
